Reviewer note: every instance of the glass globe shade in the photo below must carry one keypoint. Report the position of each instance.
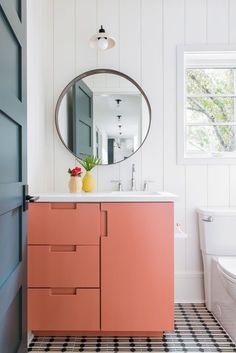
(102, 43)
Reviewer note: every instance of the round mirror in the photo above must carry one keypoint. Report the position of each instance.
(103, 113)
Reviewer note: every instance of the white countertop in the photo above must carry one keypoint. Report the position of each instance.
(113, 196)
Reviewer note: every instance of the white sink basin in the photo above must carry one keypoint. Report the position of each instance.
(112, 196)
(134, 193)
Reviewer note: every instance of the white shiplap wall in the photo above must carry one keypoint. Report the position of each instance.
(147, 33)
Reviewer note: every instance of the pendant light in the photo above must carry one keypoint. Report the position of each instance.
(118, 101)
(102, 40)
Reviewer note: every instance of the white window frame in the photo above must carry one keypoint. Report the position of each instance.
(182, 157)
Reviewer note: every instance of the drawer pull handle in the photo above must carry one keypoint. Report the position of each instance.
(63, 206)
(63, 291)
(63, 248)
(104, 223)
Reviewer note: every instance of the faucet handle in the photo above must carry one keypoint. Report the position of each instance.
(145, 185)
(119, 182)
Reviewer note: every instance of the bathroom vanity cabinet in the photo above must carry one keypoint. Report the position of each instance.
(100, 268)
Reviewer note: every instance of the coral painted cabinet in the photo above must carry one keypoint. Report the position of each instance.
(100, 267)
(137, 291)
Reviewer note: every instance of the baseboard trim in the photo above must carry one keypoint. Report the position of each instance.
(189, 287)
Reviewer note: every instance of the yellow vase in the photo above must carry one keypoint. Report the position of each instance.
(88, 182)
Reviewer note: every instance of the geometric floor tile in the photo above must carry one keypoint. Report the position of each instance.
(196, 330)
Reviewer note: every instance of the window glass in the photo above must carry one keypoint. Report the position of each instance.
(210, 115)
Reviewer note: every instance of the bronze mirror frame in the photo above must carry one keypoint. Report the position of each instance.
(90, 73)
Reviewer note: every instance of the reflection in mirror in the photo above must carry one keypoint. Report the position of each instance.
(105, 115)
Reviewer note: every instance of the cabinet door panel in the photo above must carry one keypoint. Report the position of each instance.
(137, 267)
(64, 223)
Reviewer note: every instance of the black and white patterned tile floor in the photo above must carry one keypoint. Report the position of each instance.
(196, 330)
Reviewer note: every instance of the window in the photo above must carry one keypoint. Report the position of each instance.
(207, 106)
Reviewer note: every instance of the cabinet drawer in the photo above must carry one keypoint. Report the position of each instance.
(62, 310)
(64, 223)
(63, 266)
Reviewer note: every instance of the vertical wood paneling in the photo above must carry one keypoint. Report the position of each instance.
(174, 175)
(232, 22)
(218, 186)
(196, 195)
(196, 176)
(218, 32)
(108, 16)
(64, 71)
(48, 87)
(217, 21)
(130, 43)
(34, 97)
(40, 96)
(152, 72)
(195, 21)
(85, 26)
(64, 44)
(180, 254)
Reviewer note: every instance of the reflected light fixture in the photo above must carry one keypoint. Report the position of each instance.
(119, 116)
(102, 40)
(118, 101)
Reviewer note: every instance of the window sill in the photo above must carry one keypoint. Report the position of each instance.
(214, 160)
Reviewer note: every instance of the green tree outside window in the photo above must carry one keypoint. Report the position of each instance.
(210, 110)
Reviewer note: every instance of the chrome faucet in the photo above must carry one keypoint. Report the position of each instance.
(133, 181)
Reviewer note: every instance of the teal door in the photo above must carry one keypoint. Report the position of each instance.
(12, 176)
(82, 120)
